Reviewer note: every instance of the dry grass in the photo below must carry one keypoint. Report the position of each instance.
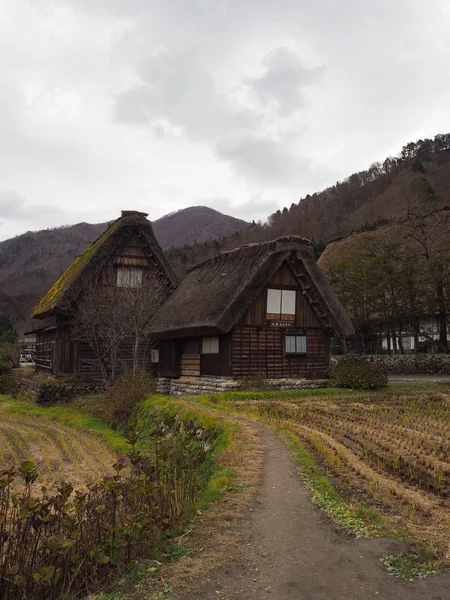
(60, 451)
(216, 532)
(390, 449)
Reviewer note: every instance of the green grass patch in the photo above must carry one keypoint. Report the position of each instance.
(194, 426)
(274, 395)
(410, 565)
(80, 420)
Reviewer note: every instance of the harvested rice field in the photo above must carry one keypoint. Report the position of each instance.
(60, 451)
(387, 449)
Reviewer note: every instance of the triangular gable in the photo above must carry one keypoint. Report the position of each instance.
(214, 295)
(88, 266)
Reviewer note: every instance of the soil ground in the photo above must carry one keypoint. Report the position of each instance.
(290, 550)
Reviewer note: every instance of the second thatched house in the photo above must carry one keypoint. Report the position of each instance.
(262, 308)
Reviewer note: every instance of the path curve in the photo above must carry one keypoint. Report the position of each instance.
(291, 550)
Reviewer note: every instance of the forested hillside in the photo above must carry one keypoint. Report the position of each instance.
(415, 182)
(383, 193)
(391, 278)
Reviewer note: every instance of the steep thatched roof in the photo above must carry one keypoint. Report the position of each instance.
(96, 255)
(215, 293)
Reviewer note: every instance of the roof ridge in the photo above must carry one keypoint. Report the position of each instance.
(252, 246)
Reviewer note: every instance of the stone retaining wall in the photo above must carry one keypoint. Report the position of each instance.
(414, 364)
(218, 385)
(53, 392)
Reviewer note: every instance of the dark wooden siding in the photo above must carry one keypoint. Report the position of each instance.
(261, 350)
(89, 368)
(169, 358)
(218, 364)
(45, 351)
(190, 365)
(282, 279)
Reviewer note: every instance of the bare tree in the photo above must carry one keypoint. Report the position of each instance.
(115, 322)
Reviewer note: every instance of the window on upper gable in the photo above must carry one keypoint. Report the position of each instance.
(281, 304)
(129, 277)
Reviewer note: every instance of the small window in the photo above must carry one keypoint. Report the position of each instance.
(281, 304)
(129, 277)
(154, 355)
(210, 345)
(295, 344)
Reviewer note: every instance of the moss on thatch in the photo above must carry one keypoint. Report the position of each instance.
(62, 285)
(105, 245)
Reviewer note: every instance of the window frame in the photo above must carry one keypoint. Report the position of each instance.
(279, 314)
(127, 274)
(207, 342)
(296, 336)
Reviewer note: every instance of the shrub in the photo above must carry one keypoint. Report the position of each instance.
(5, 363)
(116, 404)
(71, 542)
(8, 385)
(356, 372)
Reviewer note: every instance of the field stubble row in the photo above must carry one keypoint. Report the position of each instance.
(392, 448)
(60, 451)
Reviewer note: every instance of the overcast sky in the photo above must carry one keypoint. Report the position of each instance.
(242, 105)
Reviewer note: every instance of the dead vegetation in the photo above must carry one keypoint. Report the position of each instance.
(389, 449)
(59, 451)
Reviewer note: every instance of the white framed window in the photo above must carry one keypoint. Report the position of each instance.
(281, 304)
(129, 277)
(295, 344)
(210, 345)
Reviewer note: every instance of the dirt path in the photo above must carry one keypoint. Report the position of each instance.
(292, 551)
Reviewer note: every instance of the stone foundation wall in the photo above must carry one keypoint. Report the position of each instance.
(50, 393)
(414, 364)
(218, 385)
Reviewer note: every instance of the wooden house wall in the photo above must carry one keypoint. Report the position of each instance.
(169, 358)
(88, 365)
(69, 356)
(194, 363)
(257, 345)
(45, 350)
(261, 350)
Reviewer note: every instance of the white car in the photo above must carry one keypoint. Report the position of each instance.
(26, 358)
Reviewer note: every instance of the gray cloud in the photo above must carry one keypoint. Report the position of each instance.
(259, 156)
(284, 80)
(14, 209)
(157, 104)
(176, 86)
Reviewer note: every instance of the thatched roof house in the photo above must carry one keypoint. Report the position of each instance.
(125, 255)
(215, 293)
(262, 308)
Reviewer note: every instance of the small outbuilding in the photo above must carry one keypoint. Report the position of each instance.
(262, 308)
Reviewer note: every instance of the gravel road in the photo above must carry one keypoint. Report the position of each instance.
(292, 551)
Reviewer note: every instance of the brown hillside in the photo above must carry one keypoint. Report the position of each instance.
(436, 227)
(194, 224)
